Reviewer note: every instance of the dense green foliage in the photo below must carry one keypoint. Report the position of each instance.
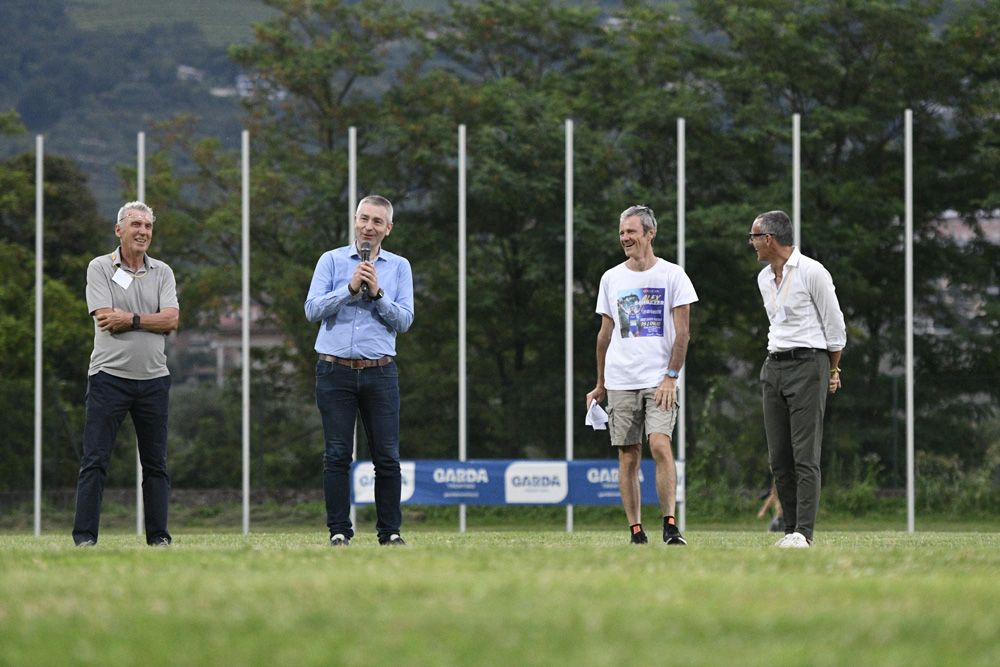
(71, 225)
(512, 72)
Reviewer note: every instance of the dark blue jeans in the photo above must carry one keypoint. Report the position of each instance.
(341, 393)
(109, 398)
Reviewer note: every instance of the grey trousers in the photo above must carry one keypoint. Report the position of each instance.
(795, 394)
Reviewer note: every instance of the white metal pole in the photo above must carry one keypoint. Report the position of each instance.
(682, 382)
(797, 179)
(39, 248)
(140, 183)
(569, 306)
(352, 179)
(463, 405)
(245, 263)
(352, 205)
(910, 499)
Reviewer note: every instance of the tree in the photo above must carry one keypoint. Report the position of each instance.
(512, 72)
(65, 354)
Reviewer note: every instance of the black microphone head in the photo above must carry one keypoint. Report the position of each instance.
(366, 250)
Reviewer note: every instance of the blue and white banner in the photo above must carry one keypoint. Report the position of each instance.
(509, 482)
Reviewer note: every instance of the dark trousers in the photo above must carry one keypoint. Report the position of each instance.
(795, 392)
(109, 398)
(341, 394)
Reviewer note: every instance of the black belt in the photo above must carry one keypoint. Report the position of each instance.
(794, 353)
(357, 363)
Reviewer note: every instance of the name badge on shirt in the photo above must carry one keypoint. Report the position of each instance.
(122, 278)
(781, 315)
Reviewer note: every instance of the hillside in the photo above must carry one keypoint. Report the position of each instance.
(221, 22)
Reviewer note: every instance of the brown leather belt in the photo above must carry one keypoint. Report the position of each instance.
(358, 363)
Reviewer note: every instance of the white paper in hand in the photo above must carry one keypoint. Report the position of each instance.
(596, 417)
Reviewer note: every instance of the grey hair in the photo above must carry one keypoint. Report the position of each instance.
(645, 215)
(134, 206)
(778, 225)
(377, 200)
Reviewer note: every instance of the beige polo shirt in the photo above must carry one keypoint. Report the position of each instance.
(133, 355)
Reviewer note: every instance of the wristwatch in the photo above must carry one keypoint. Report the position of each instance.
(671, 373)
(135, 320)
(379, 295)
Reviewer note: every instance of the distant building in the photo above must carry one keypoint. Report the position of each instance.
(954, 227)
(188, 73)
(224, 345)
(960, 300)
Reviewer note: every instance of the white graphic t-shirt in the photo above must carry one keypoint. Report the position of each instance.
(640, 304)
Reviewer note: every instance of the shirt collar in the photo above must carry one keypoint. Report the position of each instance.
(354, 252)
(147, 261)
(793, 260)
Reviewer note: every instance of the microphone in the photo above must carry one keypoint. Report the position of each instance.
(366, 251)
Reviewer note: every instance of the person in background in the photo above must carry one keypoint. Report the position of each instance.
(133, 299)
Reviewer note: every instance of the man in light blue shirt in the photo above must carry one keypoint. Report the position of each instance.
(361, 303)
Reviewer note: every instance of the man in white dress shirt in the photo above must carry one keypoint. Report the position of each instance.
(804, 344)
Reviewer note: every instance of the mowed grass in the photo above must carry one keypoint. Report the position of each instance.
(502, 598)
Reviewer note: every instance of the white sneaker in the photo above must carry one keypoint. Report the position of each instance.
(793, 541)
(783, 541)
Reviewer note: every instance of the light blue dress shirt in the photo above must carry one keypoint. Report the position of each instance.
(350, 327)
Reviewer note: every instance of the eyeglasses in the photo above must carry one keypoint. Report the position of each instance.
(754, 235)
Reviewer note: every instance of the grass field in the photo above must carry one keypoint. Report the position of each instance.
(502, 598)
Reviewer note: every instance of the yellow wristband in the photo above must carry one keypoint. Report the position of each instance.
(834, 371)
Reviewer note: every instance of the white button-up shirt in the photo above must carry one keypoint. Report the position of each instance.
(803, 309)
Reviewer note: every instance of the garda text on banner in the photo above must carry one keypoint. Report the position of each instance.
(505, 482)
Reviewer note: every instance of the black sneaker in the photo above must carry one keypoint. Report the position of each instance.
(86, 543)
(640, 538)
(160, 542)
(339, 540)
(672, 536)
(393, 540)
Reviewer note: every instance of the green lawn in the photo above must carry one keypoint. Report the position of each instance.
(502, 598)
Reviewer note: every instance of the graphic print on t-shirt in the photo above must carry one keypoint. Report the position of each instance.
(640, 312)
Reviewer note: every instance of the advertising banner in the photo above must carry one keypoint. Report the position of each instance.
(507, 482)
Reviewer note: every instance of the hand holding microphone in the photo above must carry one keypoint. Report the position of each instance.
(366, 251)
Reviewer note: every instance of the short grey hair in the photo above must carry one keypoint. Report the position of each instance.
(377, 200)
(778, 225)
(134, 206)
(645, 215)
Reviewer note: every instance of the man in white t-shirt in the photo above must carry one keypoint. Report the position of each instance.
(645, 308)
